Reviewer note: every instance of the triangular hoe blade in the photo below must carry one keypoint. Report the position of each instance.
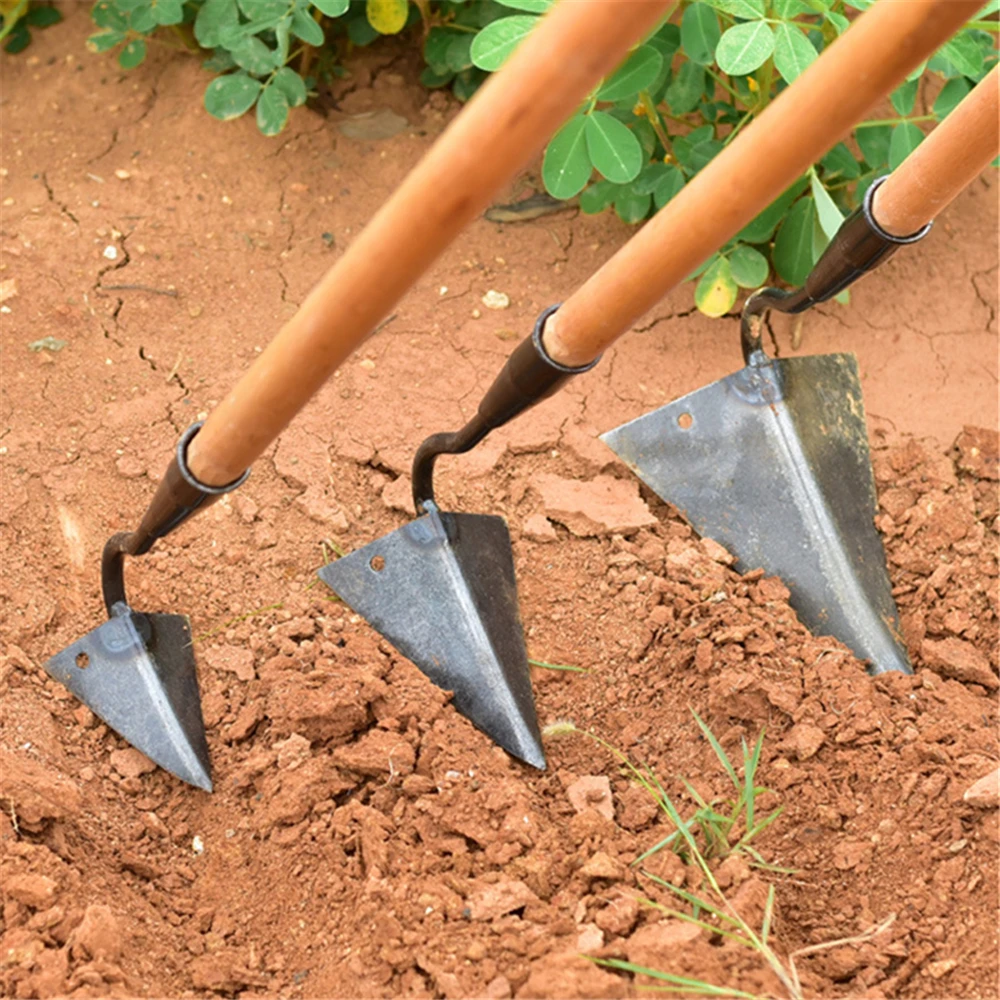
(137, 673)
(773, 463)
(442, 590)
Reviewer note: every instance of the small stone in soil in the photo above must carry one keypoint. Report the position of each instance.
(985, 793)
(592, 792)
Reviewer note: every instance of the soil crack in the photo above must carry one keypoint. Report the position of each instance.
(63, 209)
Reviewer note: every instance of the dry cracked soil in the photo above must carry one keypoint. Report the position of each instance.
(363, 840)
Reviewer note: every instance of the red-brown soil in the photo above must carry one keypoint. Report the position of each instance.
(363, 839)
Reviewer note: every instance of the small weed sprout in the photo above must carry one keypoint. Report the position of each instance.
(710, 908)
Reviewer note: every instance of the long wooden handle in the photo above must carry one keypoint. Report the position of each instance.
(502, 128)
(877, 51)
(947, 161)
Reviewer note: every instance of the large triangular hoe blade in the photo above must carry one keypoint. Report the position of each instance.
(442, 590)
(773, 463)
(137, 673)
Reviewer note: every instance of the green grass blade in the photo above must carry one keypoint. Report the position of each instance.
(762, 825)
(653, 850)
(559, 666)
(768, 914)
(749, 773)
(691, 986)
(719, 752)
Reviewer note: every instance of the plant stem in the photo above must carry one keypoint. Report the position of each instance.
(654, 119)
(723, 83)
(187, 42)
(895, 121)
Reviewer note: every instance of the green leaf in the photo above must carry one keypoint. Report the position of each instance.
(18, 39)
(219, 61)
(167, 12)
(686, 88)
(597, 197)
(142, 19)
(436, 47)
(459, 54)
(749, 266)
(840, 162)
(632, 207)
(917, 73)
(387, 17)
(272, 110)
(744, 47)
(566, 167)
(700, 33)
(43, 17)
(259, 11)
(667, 40)
(467, 83)
(696, 149)
(964, 54)
(253, 55)
(613, 149)
(332, 8)
(106, 15)
(763, 226)
(668, 186)
(839, 22)
(637, 73)
(431, 77)
(531, 6)
(228, 97)
(649, 177)
(105, 40)
(952, 94)
(904, 97)
(747, 10)
(360, 32)
(793, 52)
(212, 18)
(789, 9)
(905, 139)
(646, 135)
(494, 44)
(874, 144)
(132, 54)
(306, 28)
(829, 215)
(820, 241)
(793, 247)
(291, 85)
(716, 291)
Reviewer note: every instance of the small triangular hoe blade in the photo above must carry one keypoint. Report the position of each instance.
(137, 673)
(773, 463)
(442, 590)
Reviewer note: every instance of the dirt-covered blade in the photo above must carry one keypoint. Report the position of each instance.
(773, 463)
(442, 590)
(137, 673)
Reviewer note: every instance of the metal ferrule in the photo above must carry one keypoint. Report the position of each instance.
(858, 247)
(528, 377)
(179, 496)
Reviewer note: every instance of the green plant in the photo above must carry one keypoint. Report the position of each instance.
(723, 826)
(262, 50)
(682, 95)
(693, 85)
(18, 17)
(697, 840)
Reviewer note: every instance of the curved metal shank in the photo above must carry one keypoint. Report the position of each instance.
(178, 497)
(528, 377)
(859, 246)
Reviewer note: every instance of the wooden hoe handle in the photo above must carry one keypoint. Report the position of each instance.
(876, 52)
(948, 160)
(505, 124)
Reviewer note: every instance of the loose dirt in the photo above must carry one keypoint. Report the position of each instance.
(363, 839)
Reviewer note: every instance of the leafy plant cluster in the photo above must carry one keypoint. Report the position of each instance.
(679, 99)
(18, 17)
(693, 85)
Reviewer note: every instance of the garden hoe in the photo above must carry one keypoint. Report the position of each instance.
(137, 670)
(442, 588)
(773, 461)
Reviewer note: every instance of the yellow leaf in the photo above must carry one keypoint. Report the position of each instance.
(387, 17)
(717, 291)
